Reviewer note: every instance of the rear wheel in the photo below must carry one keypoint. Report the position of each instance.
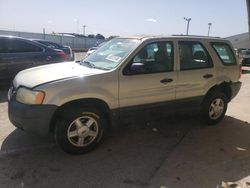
(80, 130)
(214, 108)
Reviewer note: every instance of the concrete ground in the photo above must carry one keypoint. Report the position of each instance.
(170, 152)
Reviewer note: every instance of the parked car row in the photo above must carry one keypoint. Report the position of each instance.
(17, 54)
(66, 49)
(92, 49)
(244, 56)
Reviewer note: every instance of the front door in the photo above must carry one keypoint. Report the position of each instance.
(149, 79)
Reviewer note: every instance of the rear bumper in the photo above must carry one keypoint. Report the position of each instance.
(235, 88)
(31, 118)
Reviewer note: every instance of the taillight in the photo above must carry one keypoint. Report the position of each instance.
(240, 71)
(63, 55)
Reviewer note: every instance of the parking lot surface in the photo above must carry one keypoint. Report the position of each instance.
(171, 152)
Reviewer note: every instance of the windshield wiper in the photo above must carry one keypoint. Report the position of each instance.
(91, 65)
(102, 68)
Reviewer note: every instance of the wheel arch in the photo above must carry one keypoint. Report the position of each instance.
(94, 102)
(223, 87)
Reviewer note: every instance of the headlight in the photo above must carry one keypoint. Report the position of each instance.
(28, 96)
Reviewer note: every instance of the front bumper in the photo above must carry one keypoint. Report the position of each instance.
(235, 88)
(31, 118)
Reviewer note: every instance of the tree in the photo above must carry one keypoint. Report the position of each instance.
(99, 36)
(91, 36)
(113, 36)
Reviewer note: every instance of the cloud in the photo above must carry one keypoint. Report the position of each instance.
(151, 20)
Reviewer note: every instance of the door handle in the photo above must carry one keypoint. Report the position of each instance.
(166, 80)
(206, 76)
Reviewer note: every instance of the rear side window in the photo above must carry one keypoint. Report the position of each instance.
(224, 52)
(50, 44)
(193, 55)
(18, 46)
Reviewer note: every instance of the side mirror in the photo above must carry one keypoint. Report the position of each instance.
(137, 68)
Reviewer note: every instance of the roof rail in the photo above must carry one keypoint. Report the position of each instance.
(194, 36)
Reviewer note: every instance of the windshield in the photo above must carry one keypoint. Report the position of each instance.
(112, 53)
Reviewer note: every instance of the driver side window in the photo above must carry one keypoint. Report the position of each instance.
(153, 58)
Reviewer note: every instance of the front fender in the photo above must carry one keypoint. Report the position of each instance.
(103, 87)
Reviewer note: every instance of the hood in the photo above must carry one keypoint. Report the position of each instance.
(53, 72)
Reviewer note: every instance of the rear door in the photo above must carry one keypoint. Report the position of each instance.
(227, 60)
(196, 72)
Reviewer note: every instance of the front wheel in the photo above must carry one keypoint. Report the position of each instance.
(80, 130)
(214, 108)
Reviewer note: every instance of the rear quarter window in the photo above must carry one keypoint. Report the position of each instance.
(224, 52)
(193, 55)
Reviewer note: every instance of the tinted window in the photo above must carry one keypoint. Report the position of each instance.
(55, 44)
(156, 57)
(3, 48)
(50, 44)
(225, 53)
(193, 56)
(15, 46)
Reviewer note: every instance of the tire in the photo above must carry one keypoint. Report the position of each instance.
(80, 129)
(214, 108)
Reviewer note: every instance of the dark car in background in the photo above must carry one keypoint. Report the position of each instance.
(67, 50)
(244, 56)
(17, 54)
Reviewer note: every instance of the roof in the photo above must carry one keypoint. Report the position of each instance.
(10, 36)
(146, 37)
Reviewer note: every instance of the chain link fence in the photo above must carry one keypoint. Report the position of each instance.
(76, 43)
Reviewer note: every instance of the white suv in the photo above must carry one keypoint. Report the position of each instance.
(135, 76)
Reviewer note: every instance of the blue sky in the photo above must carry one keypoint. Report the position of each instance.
(125, 17)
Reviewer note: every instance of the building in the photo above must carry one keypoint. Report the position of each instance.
(240, 40)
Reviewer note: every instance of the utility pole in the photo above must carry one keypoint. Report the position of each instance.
(83, 27)
(44, 33)
(77, 25)
(188, 21)
(248, 10)
(209, 27)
